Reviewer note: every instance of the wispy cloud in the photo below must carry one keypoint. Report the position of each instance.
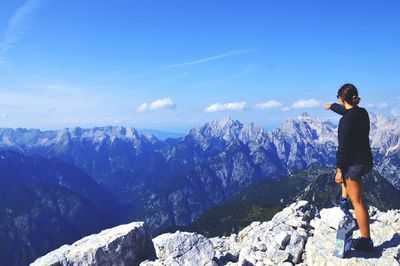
(303, 103)
(55, 105)
(379, 105)
(216, 107)
(157, 104)
(194, 62)
(17, 25)
(43, 100)
(211, 58)
(268, 104)
(306, 103)
(246, 70)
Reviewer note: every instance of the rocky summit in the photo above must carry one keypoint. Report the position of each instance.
(126, 244)
(300, 234)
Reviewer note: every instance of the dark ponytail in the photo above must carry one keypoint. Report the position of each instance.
(349, 93)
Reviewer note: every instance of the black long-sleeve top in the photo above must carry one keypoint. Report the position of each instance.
(353, 137)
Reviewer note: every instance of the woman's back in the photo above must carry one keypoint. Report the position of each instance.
(353, 135)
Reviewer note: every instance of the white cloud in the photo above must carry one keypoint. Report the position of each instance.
(306, 104)
(303, 103)
(216, 107)
(379, 105)
(268, 104)
(143, 107)
(157, 104)
(17, 25)
(382, 105)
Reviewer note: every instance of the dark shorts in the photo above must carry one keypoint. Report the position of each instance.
(357, 171)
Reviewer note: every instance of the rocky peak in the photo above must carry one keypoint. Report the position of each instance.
(226, 128)
(253, 132)
(385, 133)
(306, 128)
(300, 234)
(379, 119)
(306, 116)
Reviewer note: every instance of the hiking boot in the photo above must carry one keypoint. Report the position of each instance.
(363, 244)
(342, 203)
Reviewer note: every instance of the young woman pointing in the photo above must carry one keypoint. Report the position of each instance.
(354, 158)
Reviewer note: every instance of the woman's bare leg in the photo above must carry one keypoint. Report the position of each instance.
(344, 192)
(356, 193)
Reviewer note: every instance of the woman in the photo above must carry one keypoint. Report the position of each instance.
(354, 158)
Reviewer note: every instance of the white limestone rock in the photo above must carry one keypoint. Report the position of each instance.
(298, 235)
(334, 217)
(279, 241)
(226, 249)
(282, 239)
(295, 247)
(182, 248)
(126, 244)
(385, 233)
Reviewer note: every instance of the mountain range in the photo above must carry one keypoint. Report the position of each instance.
(172, 182)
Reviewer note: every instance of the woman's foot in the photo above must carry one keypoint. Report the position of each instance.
(363, 244)
(343, 203)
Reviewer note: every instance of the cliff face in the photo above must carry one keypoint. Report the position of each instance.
(300, 234)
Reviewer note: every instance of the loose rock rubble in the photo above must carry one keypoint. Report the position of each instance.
(300, 234)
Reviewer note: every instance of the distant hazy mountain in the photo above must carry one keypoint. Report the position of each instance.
(172, 182)
(161, 135)
(385, 139)
(45, 203)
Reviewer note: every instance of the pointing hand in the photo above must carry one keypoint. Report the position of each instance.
(327, 106)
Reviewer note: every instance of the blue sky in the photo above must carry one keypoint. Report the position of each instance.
(173, 65)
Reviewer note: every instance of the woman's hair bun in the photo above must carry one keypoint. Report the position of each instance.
(356, 100)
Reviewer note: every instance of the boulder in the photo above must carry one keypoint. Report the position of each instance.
(182, 248)
(127, 244)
